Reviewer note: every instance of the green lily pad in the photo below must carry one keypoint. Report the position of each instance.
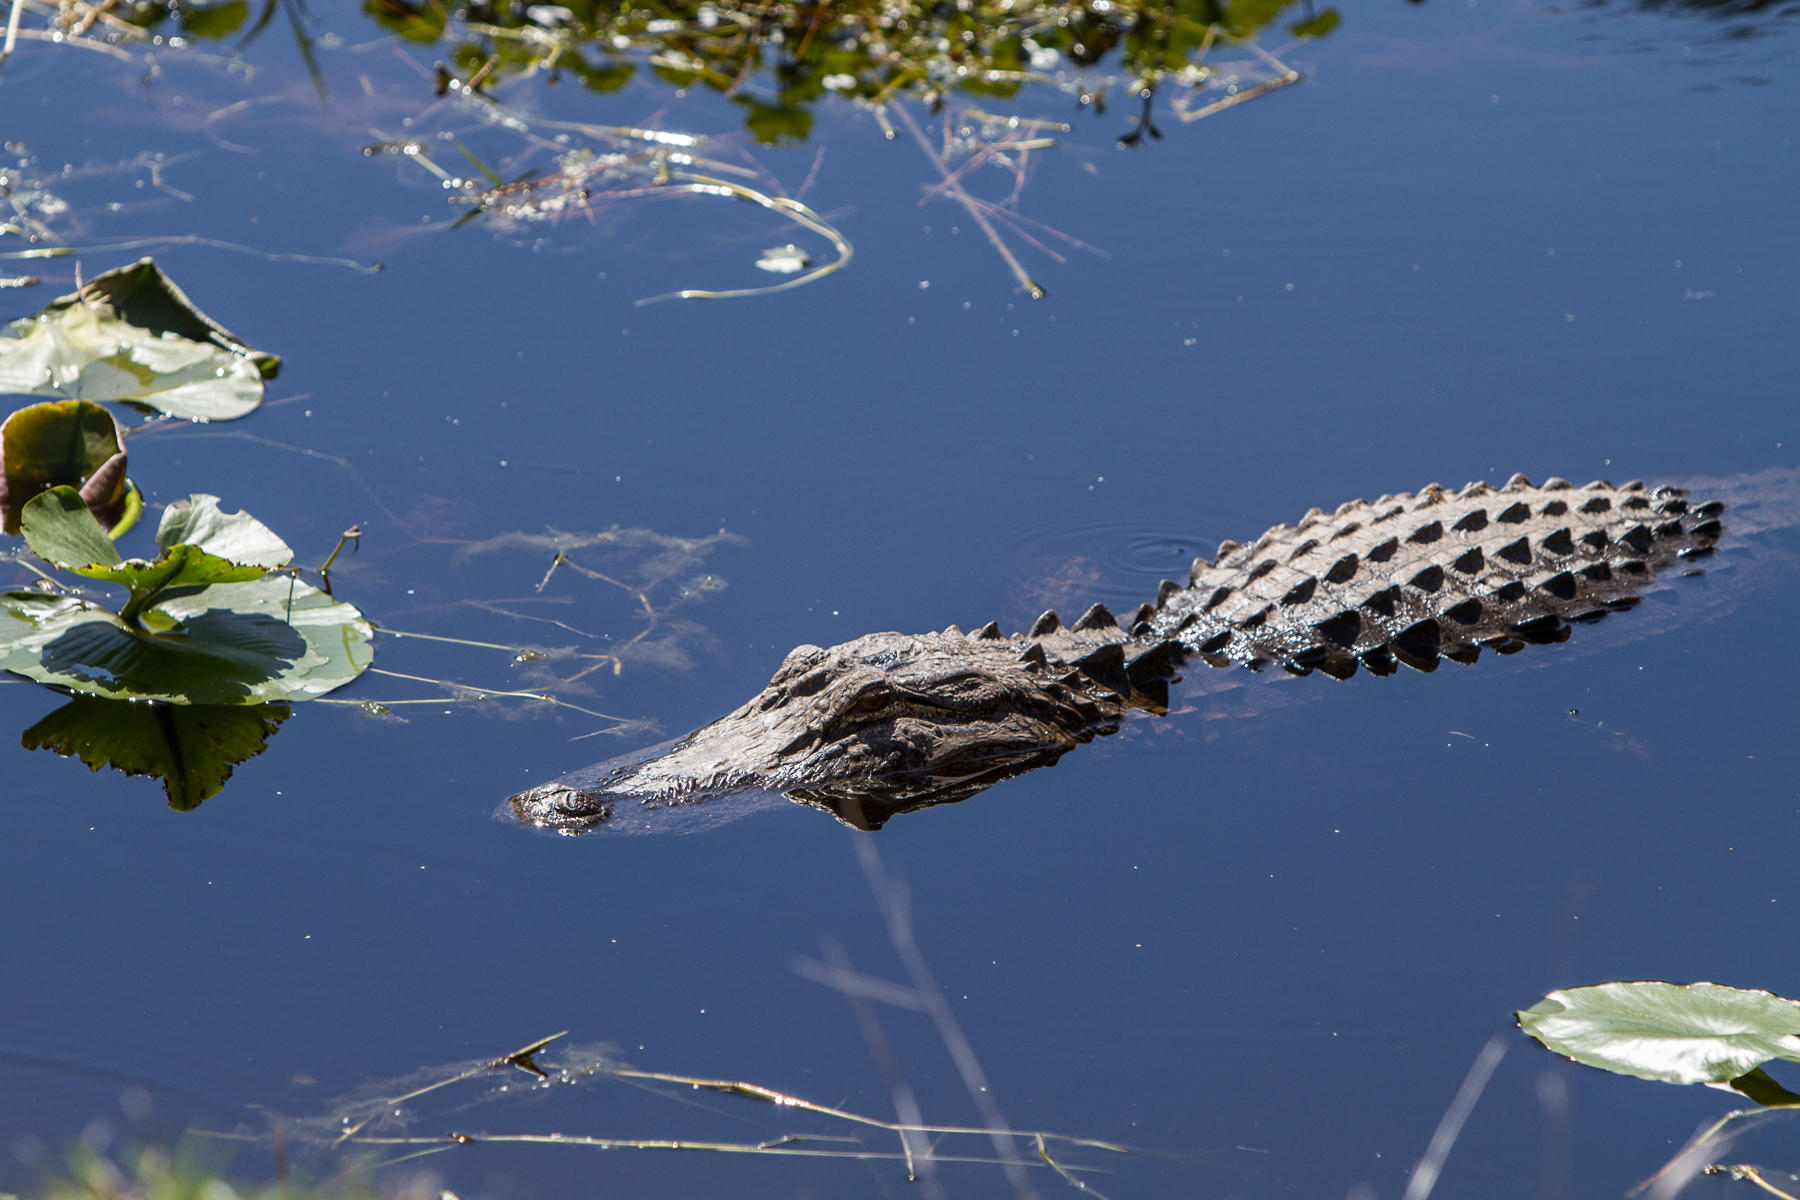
(61, 530)
(268, 640)
(1676, 1033)
(239, 537)
(64, 442)
(132, 335)
(191, 748)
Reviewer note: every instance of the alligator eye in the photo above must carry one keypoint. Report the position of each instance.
(871, 701)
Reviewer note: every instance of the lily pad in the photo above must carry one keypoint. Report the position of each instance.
(191, 748)
(240, 537)
(62, 531)
(1676, 1033)
(132, 335)
(65, 442)
(267, 640)
(197, 627)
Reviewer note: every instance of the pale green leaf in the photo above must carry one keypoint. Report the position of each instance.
(1676, 1033)
(237, 537)
(61, 531)
(132, 335)
(271, 639)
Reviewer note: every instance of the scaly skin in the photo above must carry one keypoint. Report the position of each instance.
(892, 722)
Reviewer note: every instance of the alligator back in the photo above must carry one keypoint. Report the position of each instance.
(1417, 577)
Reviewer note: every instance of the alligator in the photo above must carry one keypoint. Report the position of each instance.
(890, 722)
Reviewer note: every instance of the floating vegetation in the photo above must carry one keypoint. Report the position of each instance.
(1672, 1033)
(215, 633)
(1704, 1033)
(211, 620)
(196, 668)
(67, 443)
(367, 1120)
(131, 335)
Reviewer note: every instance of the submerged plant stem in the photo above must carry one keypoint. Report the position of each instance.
(1750, 1174)
(474, 693)
(190, 239)
(793, 210)
(954, 190)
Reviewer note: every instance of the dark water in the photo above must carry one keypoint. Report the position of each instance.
(1261, 941)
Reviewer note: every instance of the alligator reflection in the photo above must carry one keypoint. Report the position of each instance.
(891, 722)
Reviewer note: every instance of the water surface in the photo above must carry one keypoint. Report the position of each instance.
(1261, 940)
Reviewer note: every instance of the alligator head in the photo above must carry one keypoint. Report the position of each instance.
(891, 722)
